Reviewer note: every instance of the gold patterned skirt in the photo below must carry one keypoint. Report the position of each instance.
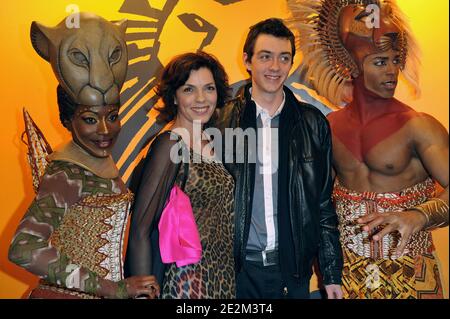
(370, 271)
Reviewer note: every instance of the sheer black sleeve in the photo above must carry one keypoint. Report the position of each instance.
(157, 178)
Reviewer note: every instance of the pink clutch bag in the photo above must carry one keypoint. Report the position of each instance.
(179, 240)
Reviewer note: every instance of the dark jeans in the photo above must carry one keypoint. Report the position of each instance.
(258, 282)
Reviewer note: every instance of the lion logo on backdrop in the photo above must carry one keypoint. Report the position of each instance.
(147, 25)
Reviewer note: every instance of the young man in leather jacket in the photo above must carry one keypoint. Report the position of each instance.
(284, 214)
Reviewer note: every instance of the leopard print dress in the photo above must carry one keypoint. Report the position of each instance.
(210, 188)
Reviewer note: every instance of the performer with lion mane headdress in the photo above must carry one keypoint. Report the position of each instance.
(386, 156)
(73, 232)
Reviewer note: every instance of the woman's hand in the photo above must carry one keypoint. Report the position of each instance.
(144, 286)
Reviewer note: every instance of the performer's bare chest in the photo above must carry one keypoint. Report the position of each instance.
(376, 146)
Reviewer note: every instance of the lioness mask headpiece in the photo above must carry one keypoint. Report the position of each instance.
(90, 61)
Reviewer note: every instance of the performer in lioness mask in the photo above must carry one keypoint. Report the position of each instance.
(387, 157)
(73, 232)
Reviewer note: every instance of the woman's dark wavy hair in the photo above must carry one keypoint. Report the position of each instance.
(177, 72)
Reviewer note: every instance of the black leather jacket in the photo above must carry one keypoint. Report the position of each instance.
(305, 186)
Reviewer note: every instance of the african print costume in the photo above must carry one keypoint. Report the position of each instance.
(370, 271)
(75, 227)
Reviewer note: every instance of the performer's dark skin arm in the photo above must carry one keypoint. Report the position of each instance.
(430, 140)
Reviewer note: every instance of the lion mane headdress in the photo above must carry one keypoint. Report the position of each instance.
(336, 35)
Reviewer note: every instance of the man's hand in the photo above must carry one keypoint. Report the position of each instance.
(333, 291)
(406, 223)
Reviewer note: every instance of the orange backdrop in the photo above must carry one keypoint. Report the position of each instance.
(28, 81)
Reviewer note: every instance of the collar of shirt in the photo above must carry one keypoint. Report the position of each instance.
(261, 111)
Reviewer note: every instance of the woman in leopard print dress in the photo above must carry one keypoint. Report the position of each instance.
(192, 86)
